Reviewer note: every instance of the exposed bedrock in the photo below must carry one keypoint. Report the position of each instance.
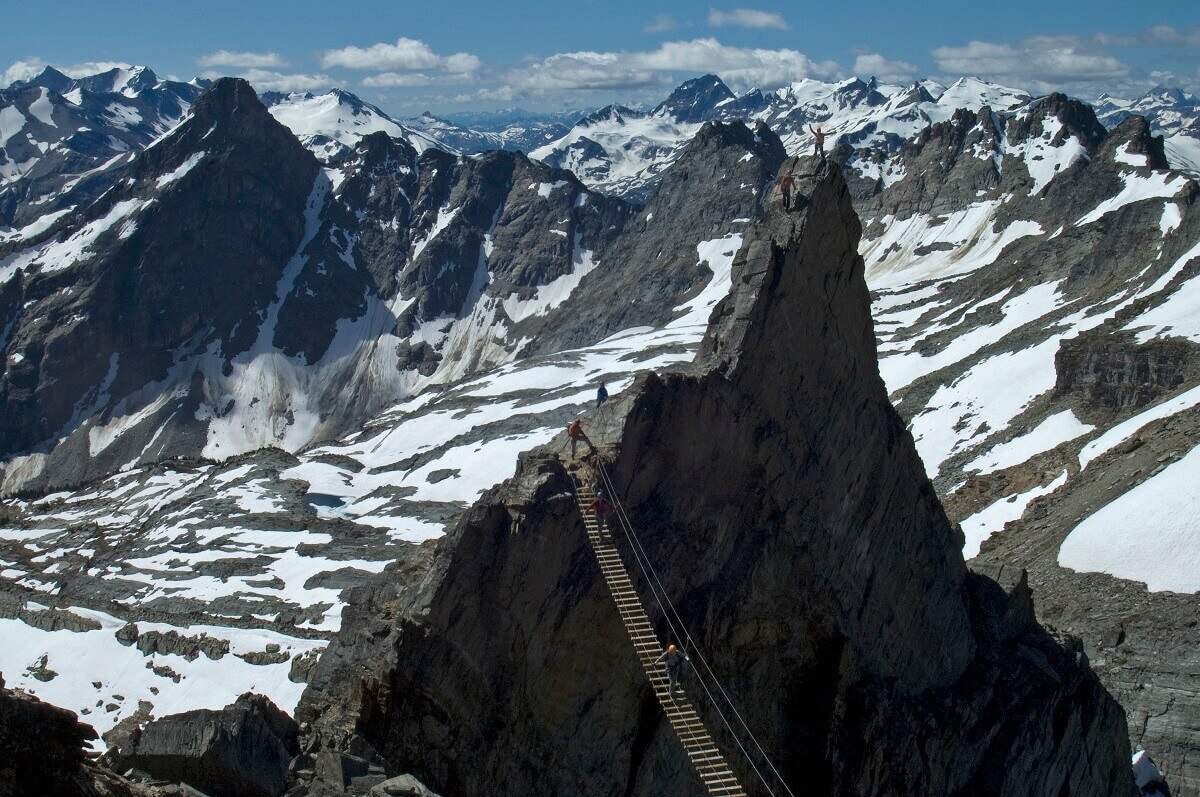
(782, 502)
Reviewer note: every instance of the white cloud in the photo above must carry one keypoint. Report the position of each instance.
(1156, 36)
(499, 94)
(581, 70)
(266, 80)
(32, 67)
(1041, 62)
(243, 60)
(660, 24)
(22, 70)
(746, 18)
(741, 67)
(389, 79)
(93, 68)
(884, 68)
(393, 79)
(406, 55)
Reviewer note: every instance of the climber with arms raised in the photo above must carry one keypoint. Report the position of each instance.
(818, 141)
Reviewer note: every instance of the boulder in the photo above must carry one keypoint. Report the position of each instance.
(243, 750)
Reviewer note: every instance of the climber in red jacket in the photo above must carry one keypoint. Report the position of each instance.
(601, 507)
(785, 187)
(575, 434)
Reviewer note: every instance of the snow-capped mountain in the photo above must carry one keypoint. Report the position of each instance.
(1172, 112)
(519, 132)
(1034, 311)
(330, 124)
(621, 151)
(410, 319)
(55, 128)
(1169, 109)
(392, 272)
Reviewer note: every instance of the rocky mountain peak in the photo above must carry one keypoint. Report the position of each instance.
(609, 113)
(230, 99)
(1058, 117)
(815, 561)
(856, 92)
(52, 79)
(913, 95)
(695, 99)
(1133, 143)
(379, 150)
(1171, 94)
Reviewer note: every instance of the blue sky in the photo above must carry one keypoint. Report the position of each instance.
(471, 54)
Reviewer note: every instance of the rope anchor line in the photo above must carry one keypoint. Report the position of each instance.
(683, 635)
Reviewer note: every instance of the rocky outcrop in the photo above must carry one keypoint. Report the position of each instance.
(41, 746)
(241, 751)
(1110, 371)
(782, 503)
(44, 751)
(717, 186)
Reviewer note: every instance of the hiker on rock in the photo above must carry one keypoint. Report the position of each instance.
(575, 434)
(675, 659)
(601, 394)
(785, 187)
(818, 141)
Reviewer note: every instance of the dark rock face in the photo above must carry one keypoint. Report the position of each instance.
(1111, 371)
(241, 751)
(723, 176)
(168, 298)
(784, 506)
(946, 158)
(189, 268)
(696, 99)
(41, 747)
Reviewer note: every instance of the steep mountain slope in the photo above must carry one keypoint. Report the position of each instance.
(786, 511)
(1034, 306)
(413, 270)
(387, 272)
(54, 128)
(254, 553)
(1031, 282)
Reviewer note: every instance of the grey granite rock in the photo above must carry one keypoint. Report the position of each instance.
(241, 751)
(787, 514)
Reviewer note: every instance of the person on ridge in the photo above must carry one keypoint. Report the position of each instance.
(785, 187)
(575, 434)
(818, 141)
(675, 659)
(601, 394)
